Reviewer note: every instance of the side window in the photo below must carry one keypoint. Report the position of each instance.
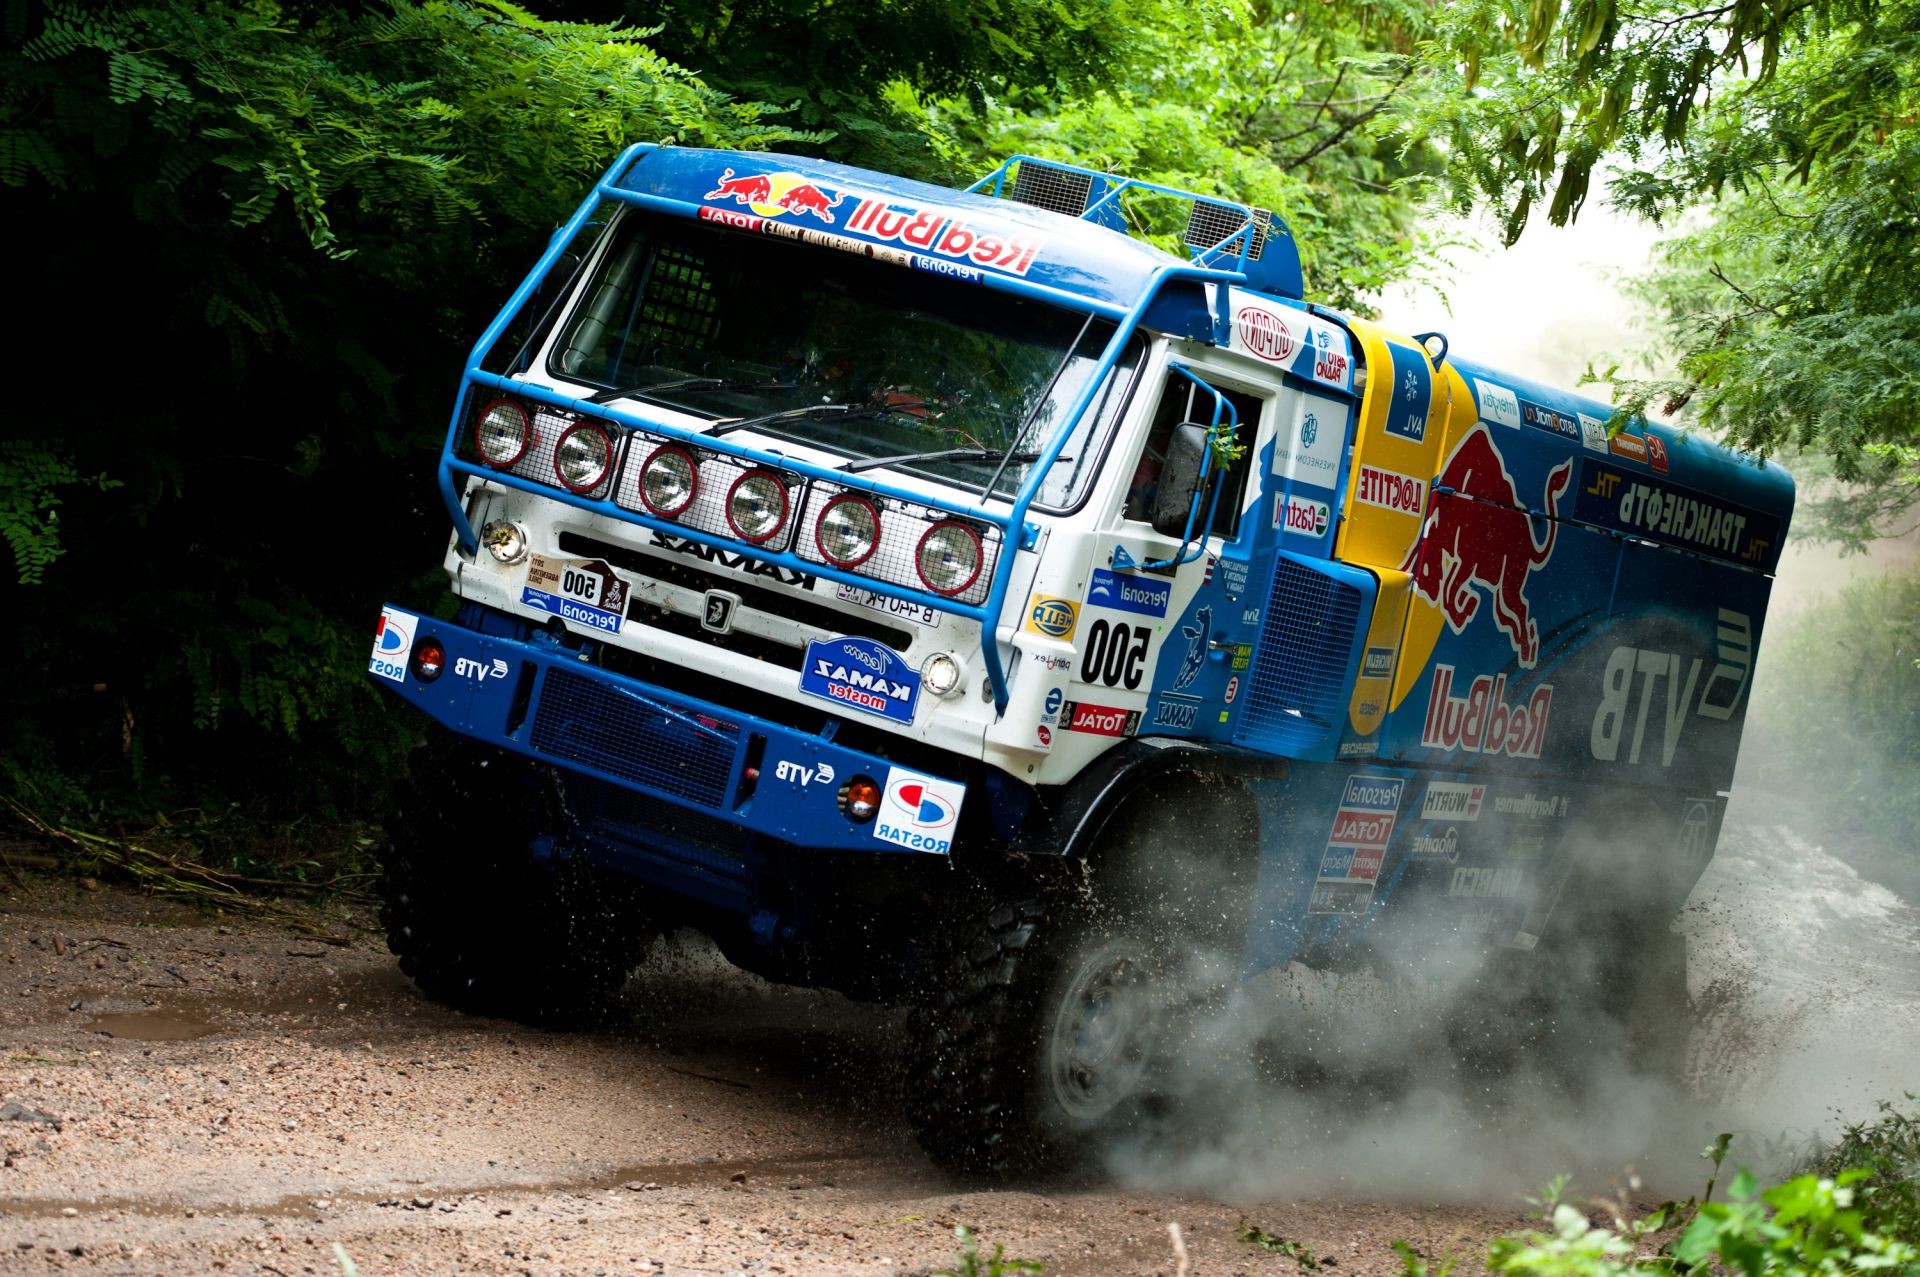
(1182, 400)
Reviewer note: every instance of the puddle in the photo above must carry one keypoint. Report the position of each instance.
(151, 1026)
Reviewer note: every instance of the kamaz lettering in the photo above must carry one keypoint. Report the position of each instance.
(738, 562)
(861, 679)
(1481, 722)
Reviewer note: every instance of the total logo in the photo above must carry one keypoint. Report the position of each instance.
(919, 812)
(1101, 720)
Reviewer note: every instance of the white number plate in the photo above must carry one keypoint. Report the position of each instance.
(902, 608)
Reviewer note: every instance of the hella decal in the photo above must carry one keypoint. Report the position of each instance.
(919, 812)
(863, 673)
(1482, 721)
(1051, 617)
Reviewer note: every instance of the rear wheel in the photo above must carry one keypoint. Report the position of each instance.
(475, 918)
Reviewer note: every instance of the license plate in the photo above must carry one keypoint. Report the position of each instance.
(905, 609)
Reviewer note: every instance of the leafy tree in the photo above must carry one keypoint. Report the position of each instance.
(1792, 310)
(262, 236)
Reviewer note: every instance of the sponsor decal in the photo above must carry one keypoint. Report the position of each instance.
(583, 591)
(1593, 434)
(1487, 882)
(777, 194)
(1198, 631)
(1356, 845)
(943, 235)
(1497, 403)
(1482, 722)
(1051, 617)
(1265, 334)
(1452, 800)
(1233, 690)
(1044, 735)
(918, 812)
(1175, 711)
(1311, 453)
(802, 775)
(1359, 749)
(1666, 694)
(1243, 653)
(1413, 393)
(1329, 365)
(1377, 662)
(905, 609)
(1101, 720)
(1554, 805)
(1541, 417)
(1696, 830)
(736, 562)
(1047, 661)
(1657, 453)
(863, 673)
(1436, 846)
(1390, 490)
(1527, 842)
(479, 671)
(1055, 699)
(1296, 514)
(1479, 533)
(1630, 446)
(1128, 593)
(392, 644)
(1233, 576)
(1663, 511)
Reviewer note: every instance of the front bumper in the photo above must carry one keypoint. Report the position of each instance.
(537, 698)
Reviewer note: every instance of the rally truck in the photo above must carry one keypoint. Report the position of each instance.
(990, 601)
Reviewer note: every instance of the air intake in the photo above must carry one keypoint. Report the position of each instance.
(1209, 224)
(1065, 191)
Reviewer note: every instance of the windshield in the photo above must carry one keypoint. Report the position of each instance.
(738, 327)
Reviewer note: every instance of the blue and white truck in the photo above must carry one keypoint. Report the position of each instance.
(956, 599)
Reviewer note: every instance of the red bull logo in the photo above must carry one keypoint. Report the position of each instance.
(1479, 534)
(776, 194)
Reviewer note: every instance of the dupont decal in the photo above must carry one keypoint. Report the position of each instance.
(1482, 721)
(583, 591)
(1497, 403)
(1452, 800)
(1666, 512)
(1412, 393)
(1479, 533)
(1051, 617)
(392, 644)
(919, 812)
(1299, 515)
(1127, 593)
(1646, 691)
(1390, 490)
(1356, 845)
(863, 673)
(1593, 434)
(1265, 335)
(1100, 720)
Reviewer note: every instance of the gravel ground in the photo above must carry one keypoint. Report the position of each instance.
(183, 1094)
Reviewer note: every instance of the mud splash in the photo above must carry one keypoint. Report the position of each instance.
(151, 1026)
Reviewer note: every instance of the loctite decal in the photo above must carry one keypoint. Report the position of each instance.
(1390, 490)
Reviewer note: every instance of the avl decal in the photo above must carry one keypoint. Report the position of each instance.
(1666, 685)
(1479, 534)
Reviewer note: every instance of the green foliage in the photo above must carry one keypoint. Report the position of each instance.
(1886, 1152)
(970, 1263)
(262, 236)
(1299, 1252)
(1842, 722)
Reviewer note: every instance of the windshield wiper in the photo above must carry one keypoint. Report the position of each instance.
(946, 454)
(819, 412)
(690, 383)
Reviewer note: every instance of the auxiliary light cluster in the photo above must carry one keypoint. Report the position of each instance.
(897, 541)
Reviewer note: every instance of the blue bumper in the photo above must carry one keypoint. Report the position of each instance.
(542, 700)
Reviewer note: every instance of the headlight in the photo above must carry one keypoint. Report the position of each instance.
(848, 530)
(757, 505)
(948, 557)
(505, 540)
(669, 481)
(583, 456)
(502, 433)
(942, 674)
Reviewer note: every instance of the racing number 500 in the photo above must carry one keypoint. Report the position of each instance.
(1115, 653)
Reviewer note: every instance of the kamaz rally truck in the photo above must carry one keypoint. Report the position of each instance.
(954, 599)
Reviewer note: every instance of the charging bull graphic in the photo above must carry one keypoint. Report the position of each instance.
(1479, 533)
(771, 194)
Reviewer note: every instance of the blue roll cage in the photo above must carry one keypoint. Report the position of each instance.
(1007, 519)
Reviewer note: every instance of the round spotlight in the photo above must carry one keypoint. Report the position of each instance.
(942, 674)
(583, 456)
(848, 530)
(502, 433)
(757, 505)
(948, 557)
(860, 798)
(505, 540)
(669, 481)
(429, 658)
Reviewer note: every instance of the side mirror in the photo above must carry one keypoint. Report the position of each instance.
(1179, 488)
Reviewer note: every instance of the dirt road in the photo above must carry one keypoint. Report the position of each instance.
(179, 1094)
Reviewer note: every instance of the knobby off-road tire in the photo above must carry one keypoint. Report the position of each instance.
(1041, 1038)
(474, 918)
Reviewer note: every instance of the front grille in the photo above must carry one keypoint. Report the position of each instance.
(587, 721)
(623, 811)
(1299, 669)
